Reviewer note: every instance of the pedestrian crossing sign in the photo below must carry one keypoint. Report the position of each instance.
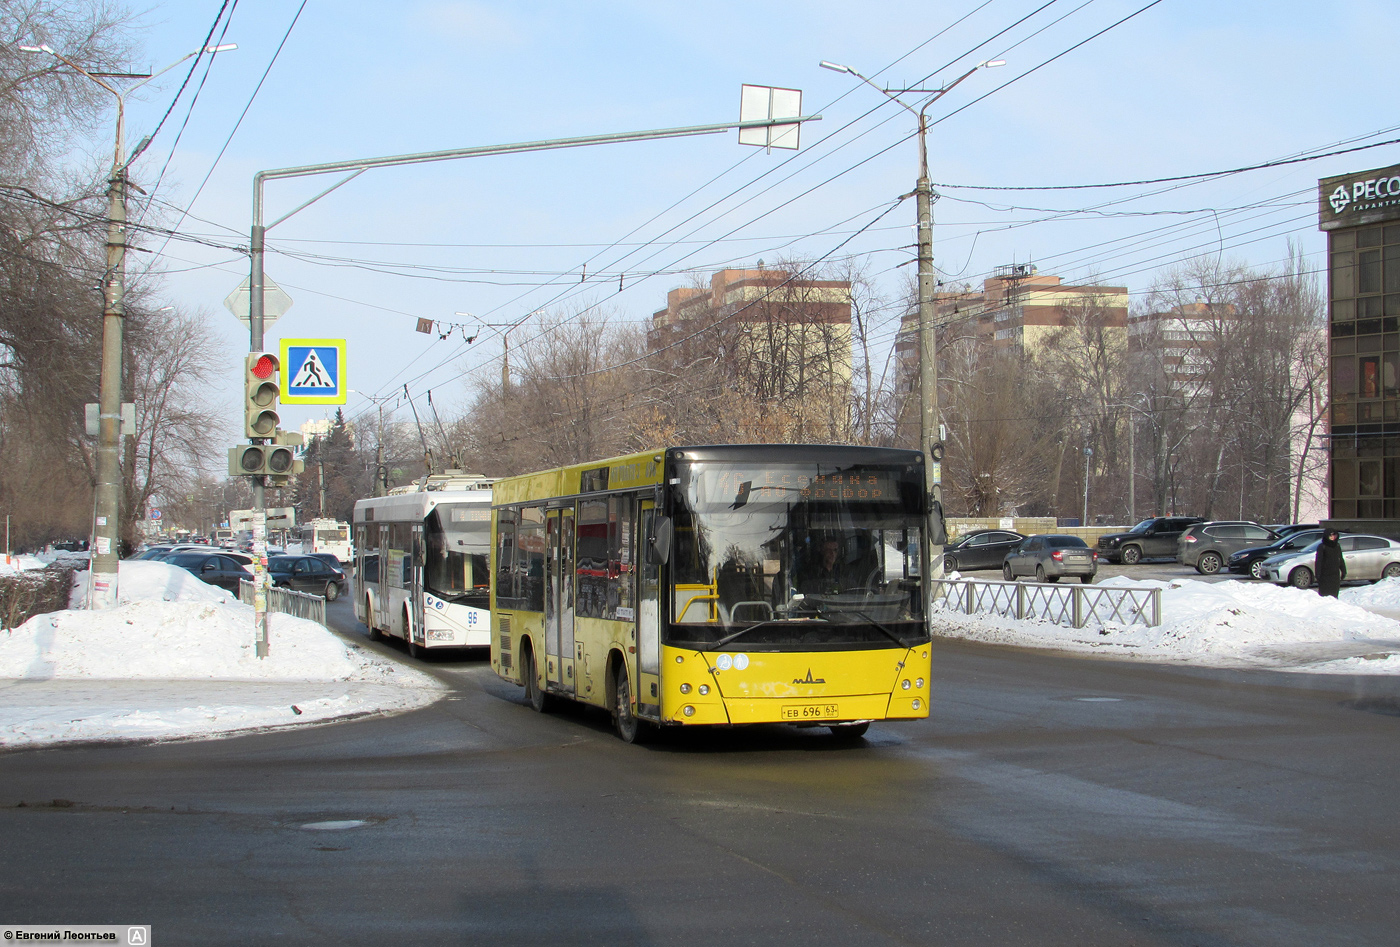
(313, 371)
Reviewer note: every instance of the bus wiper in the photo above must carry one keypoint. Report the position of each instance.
(741, 632)
(886, 631)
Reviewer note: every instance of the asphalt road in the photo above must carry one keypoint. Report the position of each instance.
(1049, 801)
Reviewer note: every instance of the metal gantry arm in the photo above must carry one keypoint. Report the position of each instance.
(358, 166)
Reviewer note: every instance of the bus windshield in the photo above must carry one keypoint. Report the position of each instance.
(777, 556)
(458, 539)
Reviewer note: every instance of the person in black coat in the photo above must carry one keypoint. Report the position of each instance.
(1329, 565)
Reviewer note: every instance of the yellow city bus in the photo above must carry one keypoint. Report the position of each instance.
(717, 585)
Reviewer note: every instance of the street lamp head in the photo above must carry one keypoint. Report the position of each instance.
(991, 64)
(42, 48)
(221, 49)
(836, 67)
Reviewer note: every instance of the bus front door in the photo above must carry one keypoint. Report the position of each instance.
(648, 619)
(559, 600)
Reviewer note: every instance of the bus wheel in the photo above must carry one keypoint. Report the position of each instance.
(414, 650)
(539, 700)
(850, 731)
(374, 633)
(629, 727)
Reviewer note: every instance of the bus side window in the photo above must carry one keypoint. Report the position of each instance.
(368, 536)
(506, 585)
(530, 553)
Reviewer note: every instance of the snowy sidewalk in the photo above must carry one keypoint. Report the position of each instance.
(1231, 624)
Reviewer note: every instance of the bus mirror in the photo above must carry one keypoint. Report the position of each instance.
(659, 542)
(937, 528)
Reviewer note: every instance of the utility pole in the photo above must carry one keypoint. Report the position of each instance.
(929, 429)
(107, 511)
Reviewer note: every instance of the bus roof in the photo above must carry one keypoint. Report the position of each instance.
(411, 507)
(647, 468)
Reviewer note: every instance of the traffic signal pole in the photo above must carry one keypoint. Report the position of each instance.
(255, 342)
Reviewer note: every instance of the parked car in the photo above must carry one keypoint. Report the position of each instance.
(1208, 546)
(212, 567)
(1151, 539)
(307, 574)
(1251, 559)
(980, 549)
(1050, 556)
(1286, 529)
(1367, 557)
(163, 553)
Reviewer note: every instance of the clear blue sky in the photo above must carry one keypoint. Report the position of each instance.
(1183, 87)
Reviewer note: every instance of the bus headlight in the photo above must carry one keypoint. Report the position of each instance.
(919, 683)
(904, 683)
(916, 703)
(685, 688)
(704, 689)
(689, 711)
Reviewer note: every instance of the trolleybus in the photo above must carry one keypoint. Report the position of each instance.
(717, 586)
(421, 564)
(328, 535)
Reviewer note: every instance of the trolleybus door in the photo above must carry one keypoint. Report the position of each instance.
(416, 583)
(648, 616)
(559, 599)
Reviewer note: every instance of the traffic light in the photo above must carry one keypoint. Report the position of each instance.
(277, 460)
(262, 387)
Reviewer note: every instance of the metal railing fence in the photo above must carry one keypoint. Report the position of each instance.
(287, 602)
(1076, 605)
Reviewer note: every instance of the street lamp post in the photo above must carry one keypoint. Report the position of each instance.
(106, 531)
(928, 352)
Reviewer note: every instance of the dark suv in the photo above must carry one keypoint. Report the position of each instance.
(1151, 539)
(1208, 546)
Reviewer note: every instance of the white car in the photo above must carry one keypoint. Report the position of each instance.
(1367, 557)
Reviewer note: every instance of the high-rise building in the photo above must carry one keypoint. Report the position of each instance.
(1360, 213)
(1018, 308)
(764, 313)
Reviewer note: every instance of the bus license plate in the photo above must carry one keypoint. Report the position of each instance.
(811, 711)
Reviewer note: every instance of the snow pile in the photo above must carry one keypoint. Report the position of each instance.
(1225, 624)
(176, 659)
(185, 640)
(1384, 594)
(141, 580)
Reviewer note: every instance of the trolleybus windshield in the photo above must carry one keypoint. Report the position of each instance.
(797, 555)
(458, 537)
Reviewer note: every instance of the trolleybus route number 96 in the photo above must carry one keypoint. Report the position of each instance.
(811, 711)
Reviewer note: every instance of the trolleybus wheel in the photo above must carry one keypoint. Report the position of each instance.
(374, 633)
(414, 650)
(629, 728)
(539, 700)
(849, 731)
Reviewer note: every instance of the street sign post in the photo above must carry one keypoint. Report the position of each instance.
(275, 301)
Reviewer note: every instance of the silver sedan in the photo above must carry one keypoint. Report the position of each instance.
(1367, 558)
